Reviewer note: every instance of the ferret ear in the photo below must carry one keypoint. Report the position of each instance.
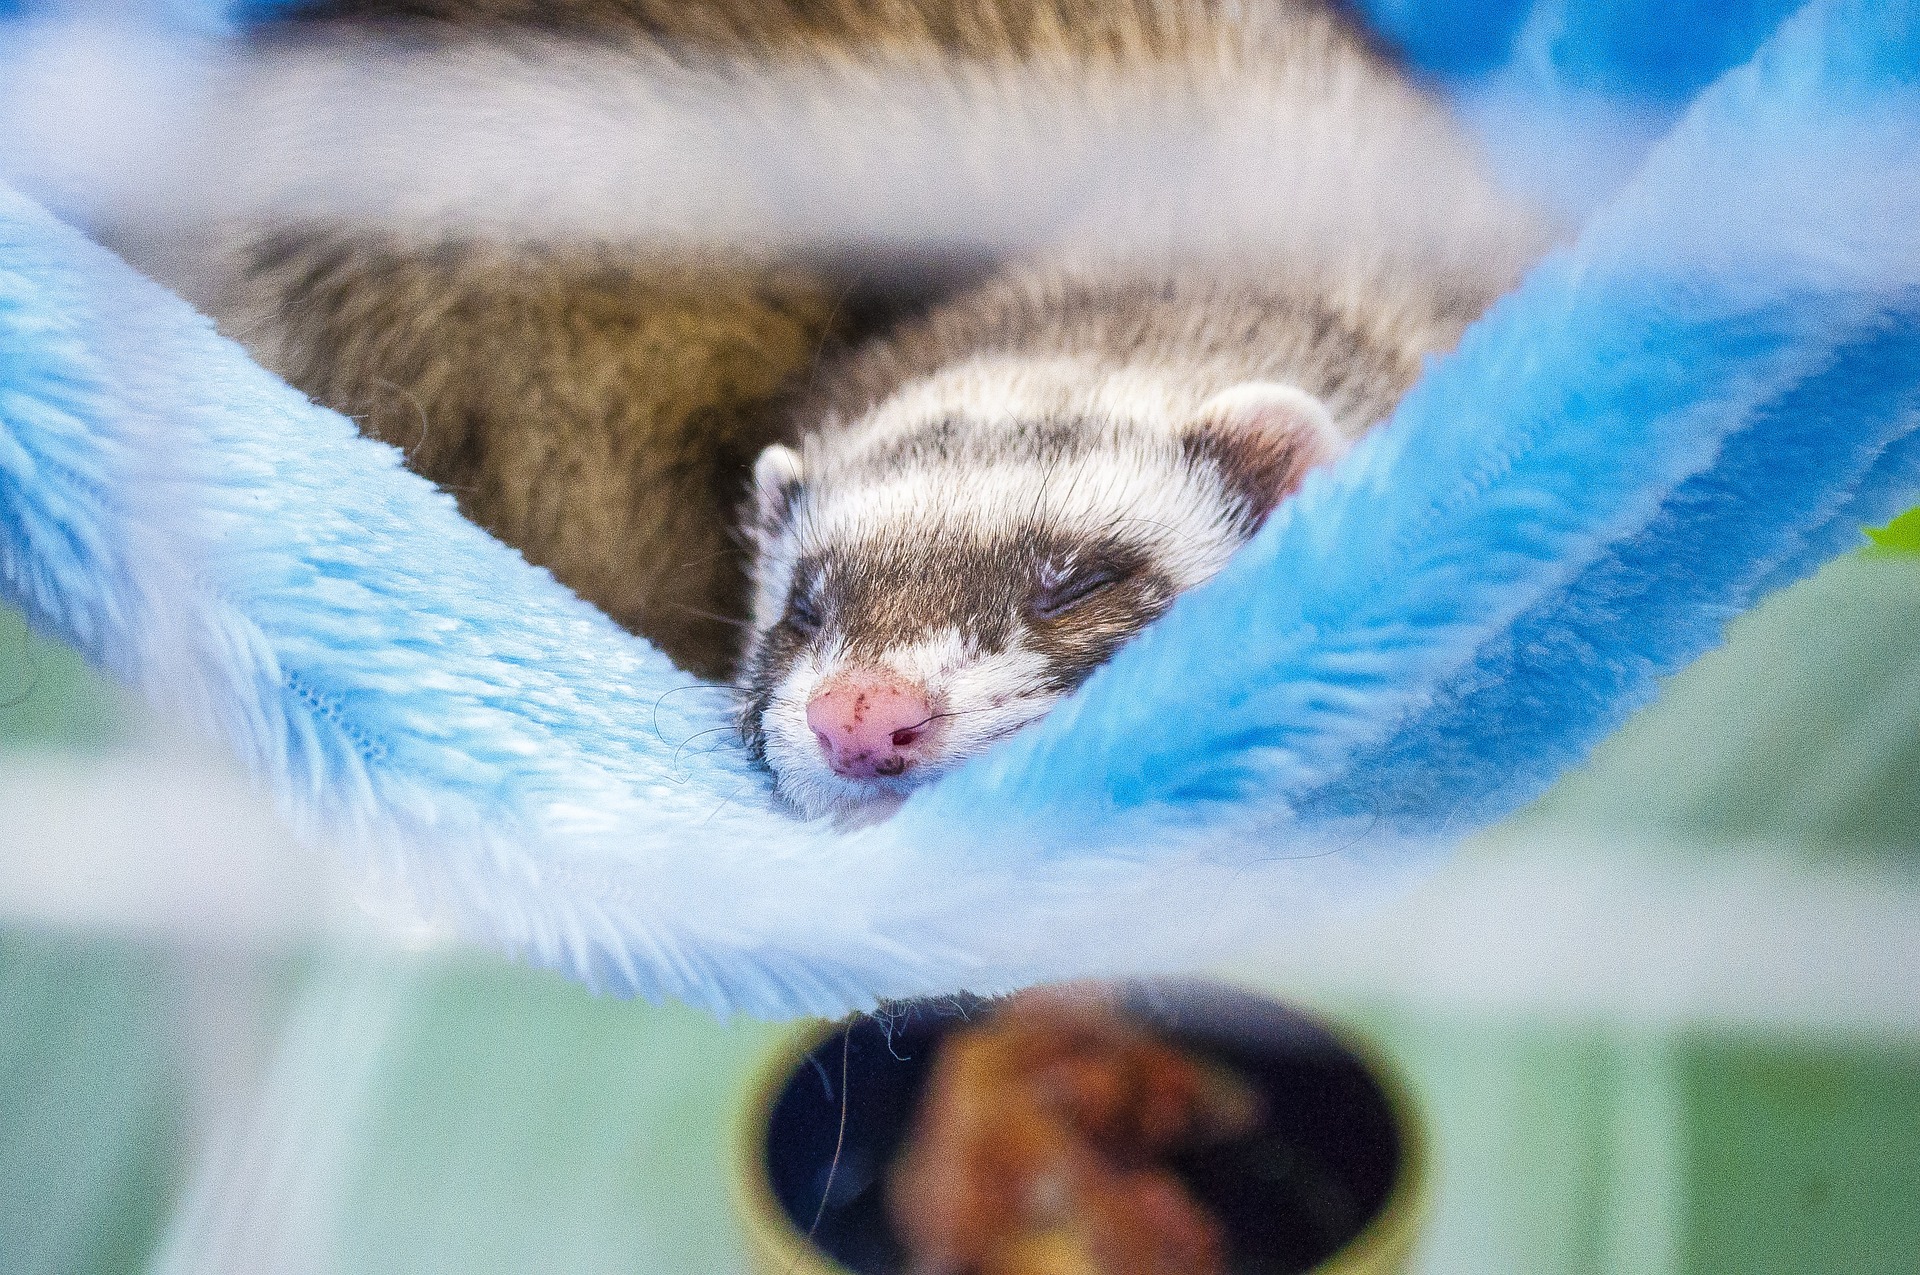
(776, 481)
(1263, 437)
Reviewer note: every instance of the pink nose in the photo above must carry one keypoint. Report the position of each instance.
(867, 723)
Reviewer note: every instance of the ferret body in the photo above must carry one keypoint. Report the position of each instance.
(953, 518)
(984, 504)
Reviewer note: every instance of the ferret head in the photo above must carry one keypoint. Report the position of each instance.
(937, 575)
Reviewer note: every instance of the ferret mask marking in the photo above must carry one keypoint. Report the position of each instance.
(994, 564)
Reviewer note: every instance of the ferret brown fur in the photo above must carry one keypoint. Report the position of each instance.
(600, 405)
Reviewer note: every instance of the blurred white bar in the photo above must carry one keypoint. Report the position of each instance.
(266, 1195)
(178, 847)
(157, 842)
(1766, 937)
(554, 140)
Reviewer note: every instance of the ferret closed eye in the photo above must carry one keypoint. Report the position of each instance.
(1061, 589)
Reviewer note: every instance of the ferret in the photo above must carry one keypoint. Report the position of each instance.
(957, 504)
(980, 507)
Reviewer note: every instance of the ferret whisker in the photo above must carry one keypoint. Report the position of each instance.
(715, 616)
(1173, 533)
(690, 686)
(826, 333)
(711, 730)
(1041, 488)
(724, 803)
(419, 408)
(702, 560)
(956, 712)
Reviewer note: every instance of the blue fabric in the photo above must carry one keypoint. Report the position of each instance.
(1659, 51)
(1568, 95)
(1699, 400)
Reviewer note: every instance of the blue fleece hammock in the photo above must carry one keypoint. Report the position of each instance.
(1701, 400)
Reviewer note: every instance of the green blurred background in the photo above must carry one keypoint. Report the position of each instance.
(1660, 1022)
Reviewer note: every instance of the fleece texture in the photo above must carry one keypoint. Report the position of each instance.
(1700, 399)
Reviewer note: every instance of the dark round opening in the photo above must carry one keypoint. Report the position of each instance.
(1290, 1195)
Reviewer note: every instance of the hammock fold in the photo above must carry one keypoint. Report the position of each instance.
(1700, 400)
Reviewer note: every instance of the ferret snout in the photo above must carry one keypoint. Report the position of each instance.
(869, 722)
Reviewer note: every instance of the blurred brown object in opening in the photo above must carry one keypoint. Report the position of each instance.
(1037, 1147)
